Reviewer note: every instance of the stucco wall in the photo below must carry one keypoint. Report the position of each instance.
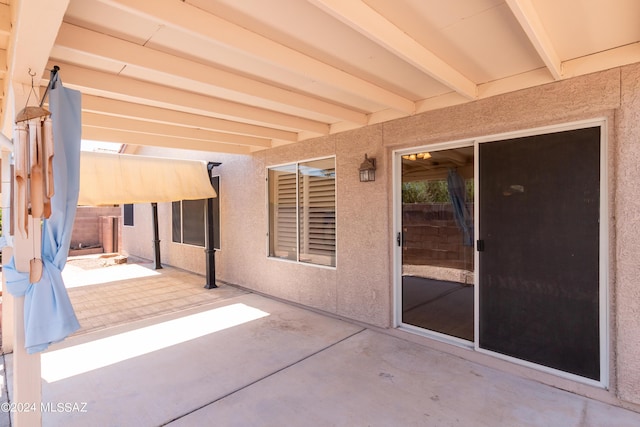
(138, 239)
(362, 217)
(627, 244)
(614, 95)
(347, 290)
(360, 287)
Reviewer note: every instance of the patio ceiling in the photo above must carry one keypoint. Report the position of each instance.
(239, 76)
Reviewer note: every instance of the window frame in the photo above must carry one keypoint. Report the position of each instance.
(182, 233)
(217, 244)
(300, 257)
(128, 215)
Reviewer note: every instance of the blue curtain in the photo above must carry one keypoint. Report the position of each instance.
(48, 314)
(458, 195)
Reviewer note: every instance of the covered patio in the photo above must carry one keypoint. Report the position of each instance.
(287, 97)
(235, 358)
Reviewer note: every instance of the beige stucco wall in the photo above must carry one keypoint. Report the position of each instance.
(138, 239)
(360, 287)
(627, 242)
(349, 289)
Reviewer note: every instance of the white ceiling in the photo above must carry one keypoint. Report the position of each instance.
(243, 75)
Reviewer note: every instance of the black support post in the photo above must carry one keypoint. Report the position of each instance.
(210, 248)
(210, 251)
(156, 236)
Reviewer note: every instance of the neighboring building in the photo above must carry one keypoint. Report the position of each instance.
(568, 215)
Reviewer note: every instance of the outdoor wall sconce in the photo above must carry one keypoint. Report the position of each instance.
(368, 170)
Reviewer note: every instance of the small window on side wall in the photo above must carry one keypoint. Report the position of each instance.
(128, 214)
(302, 212)
(188, 222)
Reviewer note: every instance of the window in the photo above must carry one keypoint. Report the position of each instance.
(128, 214)
(302, 212)
(188, 222)
(189, 219)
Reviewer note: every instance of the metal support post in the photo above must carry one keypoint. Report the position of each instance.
(156, 236)
(210, 250)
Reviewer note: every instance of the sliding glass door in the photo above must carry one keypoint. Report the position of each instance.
(437, 241)
(528, 281)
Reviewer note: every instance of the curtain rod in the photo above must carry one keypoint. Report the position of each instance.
(54, 72)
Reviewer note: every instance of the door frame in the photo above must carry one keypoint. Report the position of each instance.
(604, 298)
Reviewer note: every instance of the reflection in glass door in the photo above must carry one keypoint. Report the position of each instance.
(438, 242)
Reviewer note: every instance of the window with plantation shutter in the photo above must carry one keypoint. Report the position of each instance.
(302, 212)
(317, 210)
(283, 215)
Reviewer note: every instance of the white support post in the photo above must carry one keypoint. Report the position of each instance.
(27, 380)
(7, 253)
(35, 24)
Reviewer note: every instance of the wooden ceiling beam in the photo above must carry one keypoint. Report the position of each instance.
(115, 107)
(134, 138)
(368, 22)
(454, 156)
(528, 18)
(31, 38)
(5, 19)
(137, 91)
(612, 58)
(132, 54)
(131, 125)
(194, 21)
(3, 62)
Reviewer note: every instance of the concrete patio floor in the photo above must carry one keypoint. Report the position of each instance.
(233, 358)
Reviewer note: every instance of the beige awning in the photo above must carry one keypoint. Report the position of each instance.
(111, 179)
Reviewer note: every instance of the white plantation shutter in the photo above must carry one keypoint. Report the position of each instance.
(318, 217)
(285, 224)
(302, 212)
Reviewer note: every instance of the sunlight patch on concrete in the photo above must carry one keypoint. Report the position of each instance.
(76, 277)
(86, 357)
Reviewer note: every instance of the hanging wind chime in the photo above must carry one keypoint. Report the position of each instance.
(33, 159)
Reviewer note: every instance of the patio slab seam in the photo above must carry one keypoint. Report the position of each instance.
(252, 383)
